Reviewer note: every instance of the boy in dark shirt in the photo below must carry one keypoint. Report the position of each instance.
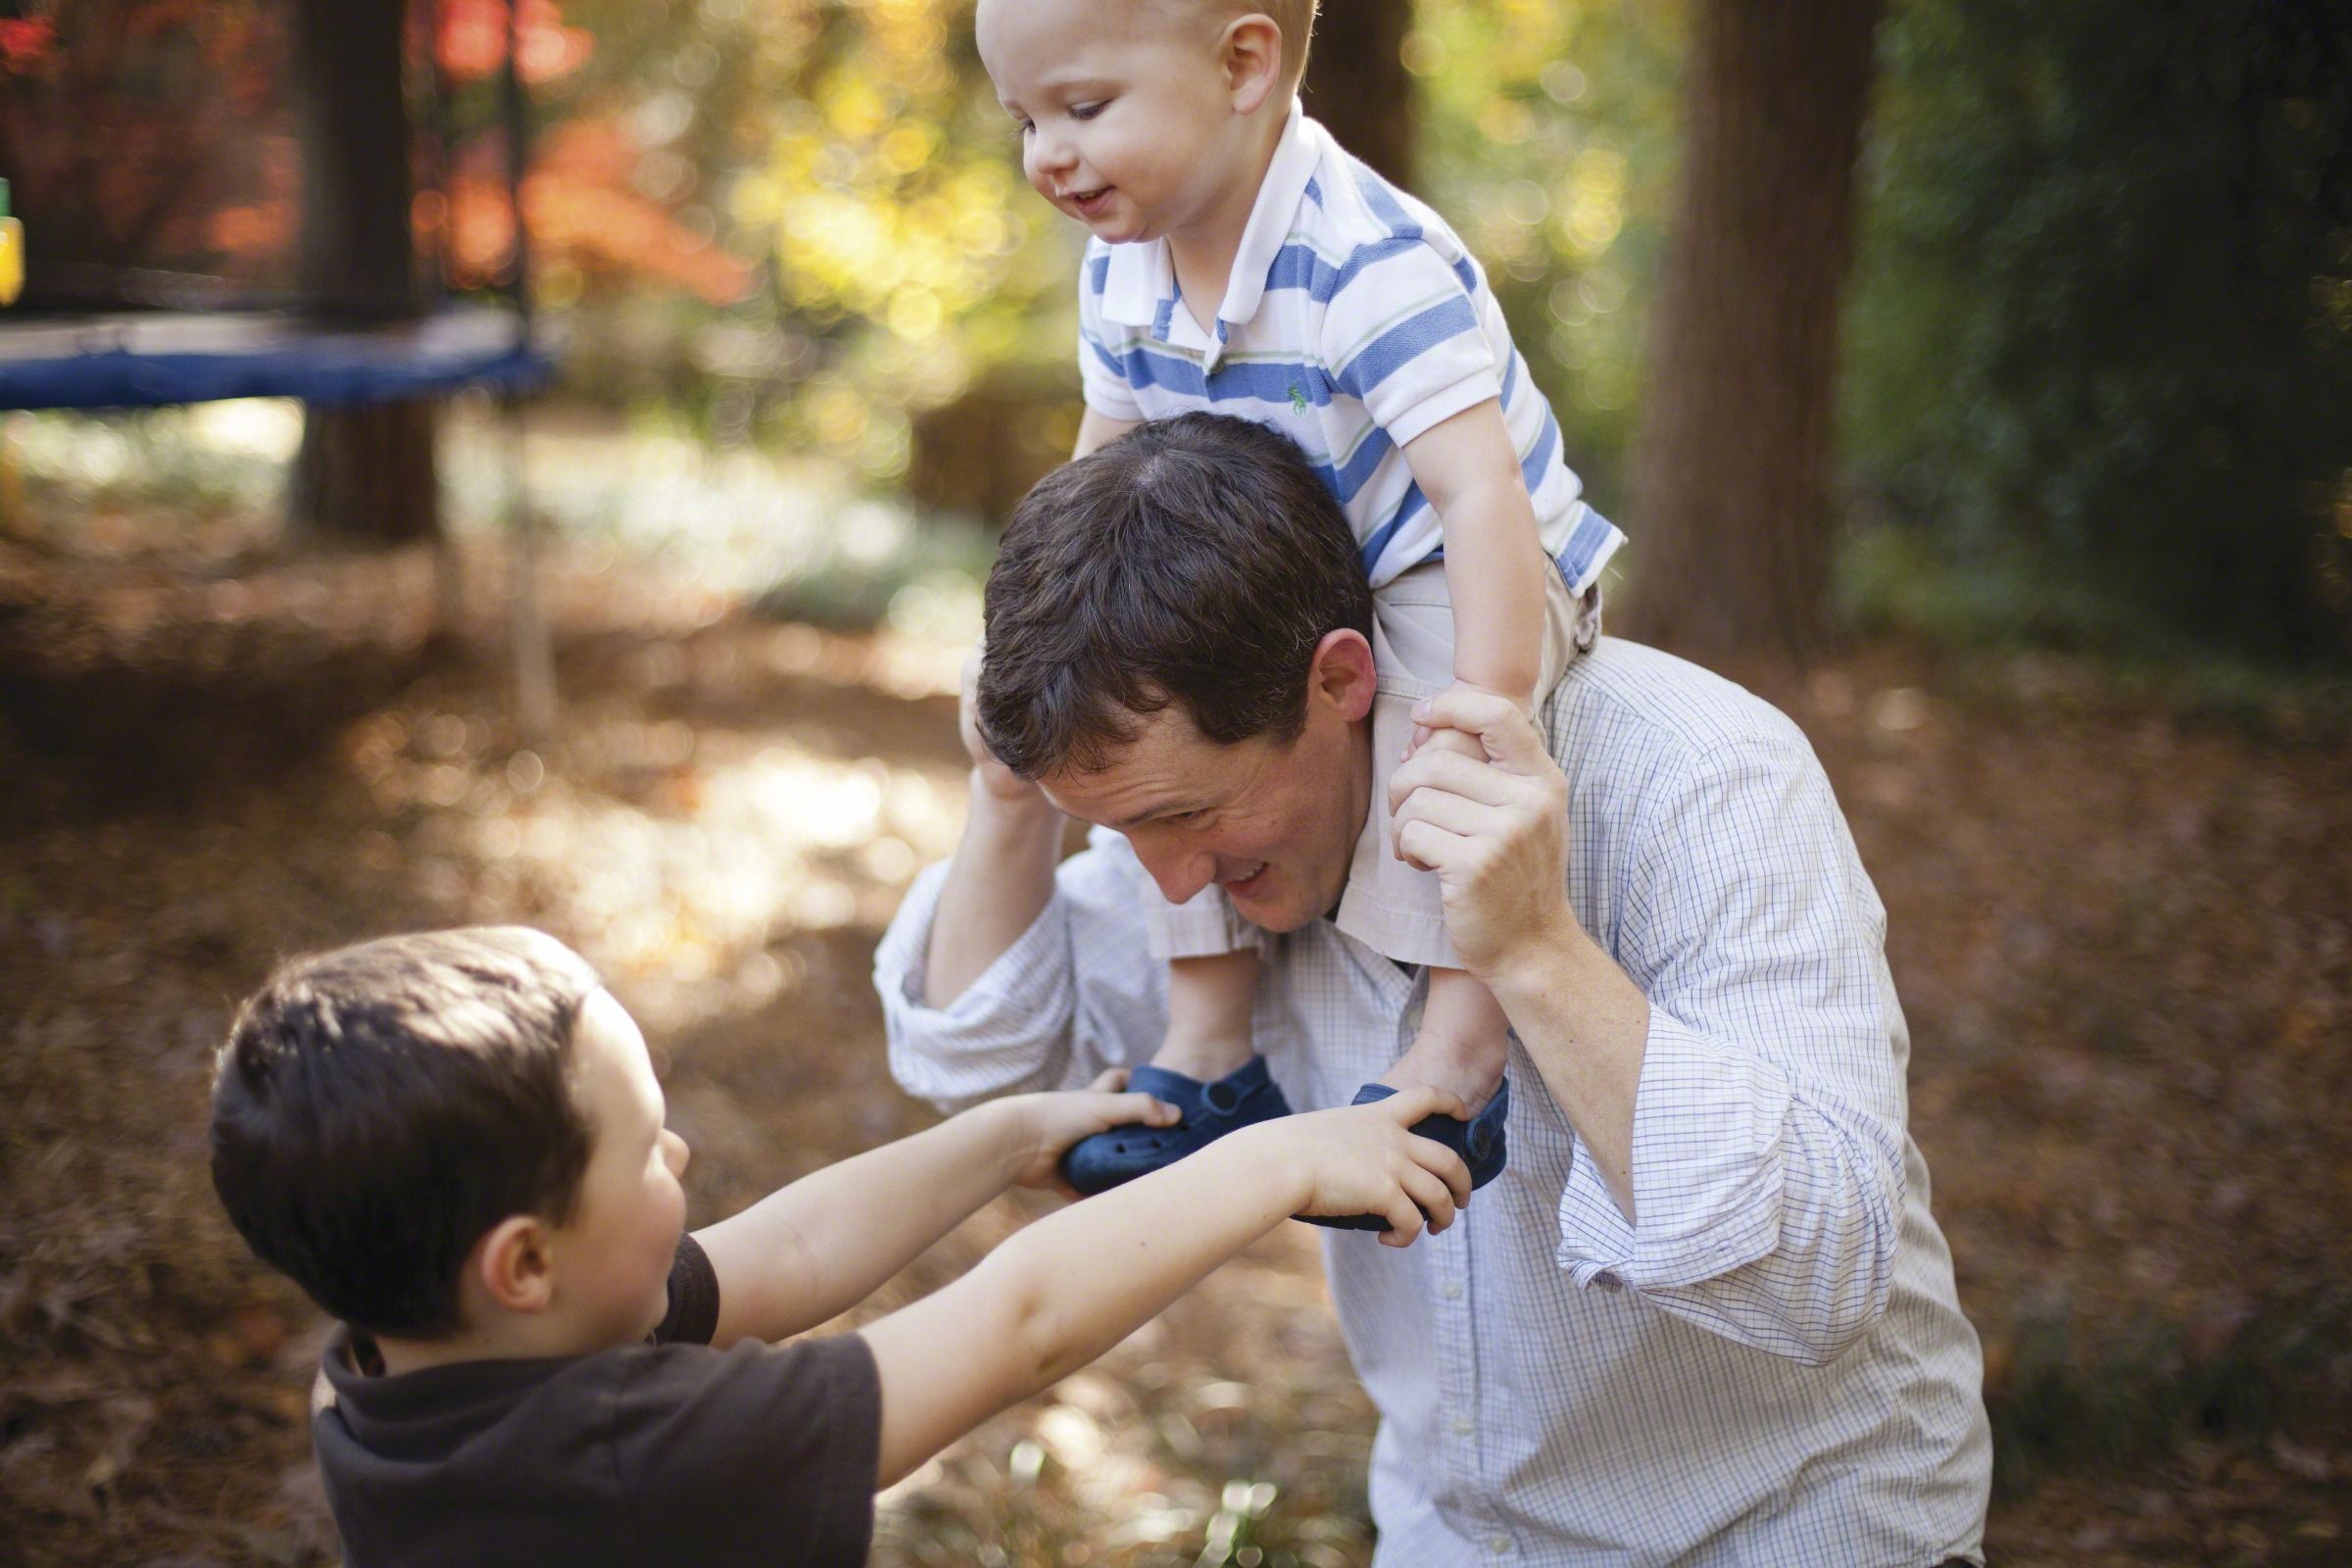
(453, 1141)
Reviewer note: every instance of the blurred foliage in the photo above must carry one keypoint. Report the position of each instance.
(2102, 346)
(856, 156)
(1548, 137)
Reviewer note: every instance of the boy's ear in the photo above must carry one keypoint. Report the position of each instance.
(1252, 54)
(514, 1264)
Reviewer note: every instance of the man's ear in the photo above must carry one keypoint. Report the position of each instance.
(515, 1264)
(1341, 674)
(1250, 52)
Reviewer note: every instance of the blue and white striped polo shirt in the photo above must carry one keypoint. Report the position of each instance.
(1355, 320)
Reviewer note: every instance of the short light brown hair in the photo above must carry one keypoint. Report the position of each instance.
(1197, 562)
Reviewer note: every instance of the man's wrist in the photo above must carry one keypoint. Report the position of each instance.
(1548, 960)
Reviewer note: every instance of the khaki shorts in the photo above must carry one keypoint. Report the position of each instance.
(1389, 907)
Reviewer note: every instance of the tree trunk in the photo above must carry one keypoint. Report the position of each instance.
(1731, 516)
(1357, 86)
(363, 471)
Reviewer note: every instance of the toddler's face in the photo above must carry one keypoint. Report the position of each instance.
(1125, 117)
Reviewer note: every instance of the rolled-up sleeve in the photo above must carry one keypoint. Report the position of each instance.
(1077, 993)
(1768, 1139)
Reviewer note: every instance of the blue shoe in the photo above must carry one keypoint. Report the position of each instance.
(1241, 1098)
(1479, 1141)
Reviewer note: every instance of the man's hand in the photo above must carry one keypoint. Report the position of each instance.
(989, 777)
(1045, 1125)
(1492, 827)
(1361, 1160)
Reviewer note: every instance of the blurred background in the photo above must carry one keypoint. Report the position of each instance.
(1973, 377)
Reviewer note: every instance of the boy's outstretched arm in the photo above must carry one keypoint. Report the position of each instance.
(1072, 1286)
(811, 1250)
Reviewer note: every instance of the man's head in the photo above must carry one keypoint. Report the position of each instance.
(1139, 118)
(1178, 647)
(426, 1130)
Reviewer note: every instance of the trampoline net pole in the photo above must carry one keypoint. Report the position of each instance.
(533, 650)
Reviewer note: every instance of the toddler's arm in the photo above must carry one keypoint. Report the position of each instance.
(811, 1250)
(1099, 431)
(1076, 1283)
(1468, 468)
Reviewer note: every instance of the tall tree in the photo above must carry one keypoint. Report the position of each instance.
(1357, 83)
(368, 470)
(1732, 468)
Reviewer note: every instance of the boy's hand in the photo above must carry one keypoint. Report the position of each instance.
(1045, 1125)
(1361, 1160)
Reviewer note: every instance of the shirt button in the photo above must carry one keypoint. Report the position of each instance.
(1500, 1546)
(1451, 1290)
(1463, 1426)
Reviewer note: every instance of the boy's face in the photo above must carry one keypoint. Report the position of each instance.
(1126, 118)
(613, 1256)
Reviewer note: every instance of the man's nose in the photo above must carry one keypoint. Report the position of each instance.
(1180, 873)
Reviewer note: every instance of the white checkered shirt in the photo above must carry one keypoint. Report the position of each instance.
(1771, 1367)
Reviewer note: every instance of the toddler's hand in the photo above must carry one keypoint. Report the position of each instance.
(1454, 740)
(1048, 1124)
(1361, 1160)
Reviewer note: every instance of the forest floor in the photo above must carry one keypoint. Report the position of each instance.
(2122, 930)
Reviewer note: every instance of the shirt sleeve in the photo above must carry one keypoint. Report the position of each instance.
(1077, 993)
(1101, 373)
(1404, 335)
(1768, 1139)
(692, 1315)
(760, 1454)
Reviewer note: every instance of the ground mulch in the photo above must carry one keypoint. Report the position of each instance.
(2122, 930)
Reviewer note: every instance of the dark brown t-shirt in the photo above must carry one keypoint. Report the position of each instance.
(669, 1452)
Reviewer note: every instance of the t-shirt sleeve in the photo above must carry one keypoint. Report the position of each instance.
(692, 1315)
(1101, 373)
(763, 1453)
(1405, 338)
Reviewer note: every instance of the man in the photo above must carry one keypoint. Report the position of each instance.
(1704, 1315)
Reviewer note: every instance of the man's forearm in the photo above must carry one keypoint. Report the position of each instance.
(998, 883)
(1585, 1026)
(811, 1250)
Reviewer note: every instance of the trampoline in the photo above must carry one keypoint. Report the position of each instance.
(255, 204)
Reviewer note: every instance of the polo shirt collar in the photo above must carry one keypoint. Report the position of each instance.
(1140, 288)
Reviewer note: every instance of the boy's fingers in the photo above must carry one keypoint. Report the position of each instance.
(1110, 1081)
(1411, 1104)
(1405, 1220)
(1445, 1166)
(1433, 1196)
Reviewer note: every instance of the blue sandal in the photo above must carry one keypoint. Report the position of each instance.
(1479, 1141)
(1243, 1097)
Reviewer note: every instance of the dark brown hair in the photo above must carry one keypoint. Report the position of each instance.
(1196, 560)
(378, 1107)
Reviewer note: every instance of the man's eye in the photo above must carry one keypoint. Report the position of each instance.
(1193, 815)
(1088, 111)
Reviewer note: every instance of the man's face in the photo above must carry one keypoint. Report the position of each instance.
(1273, 825)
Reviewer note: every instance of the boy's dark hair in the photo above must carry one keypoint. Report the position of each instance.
(1196, 560)
(376, 1109)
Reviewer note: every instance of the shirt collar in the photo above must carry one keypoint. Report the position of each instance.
(1140, 286)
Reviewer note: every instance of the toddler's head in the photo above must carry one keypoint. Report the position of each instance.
(427, 1131)
(1139, 117)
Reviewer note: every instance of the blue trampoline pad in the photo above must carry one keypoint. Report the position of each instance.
(151, 361)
